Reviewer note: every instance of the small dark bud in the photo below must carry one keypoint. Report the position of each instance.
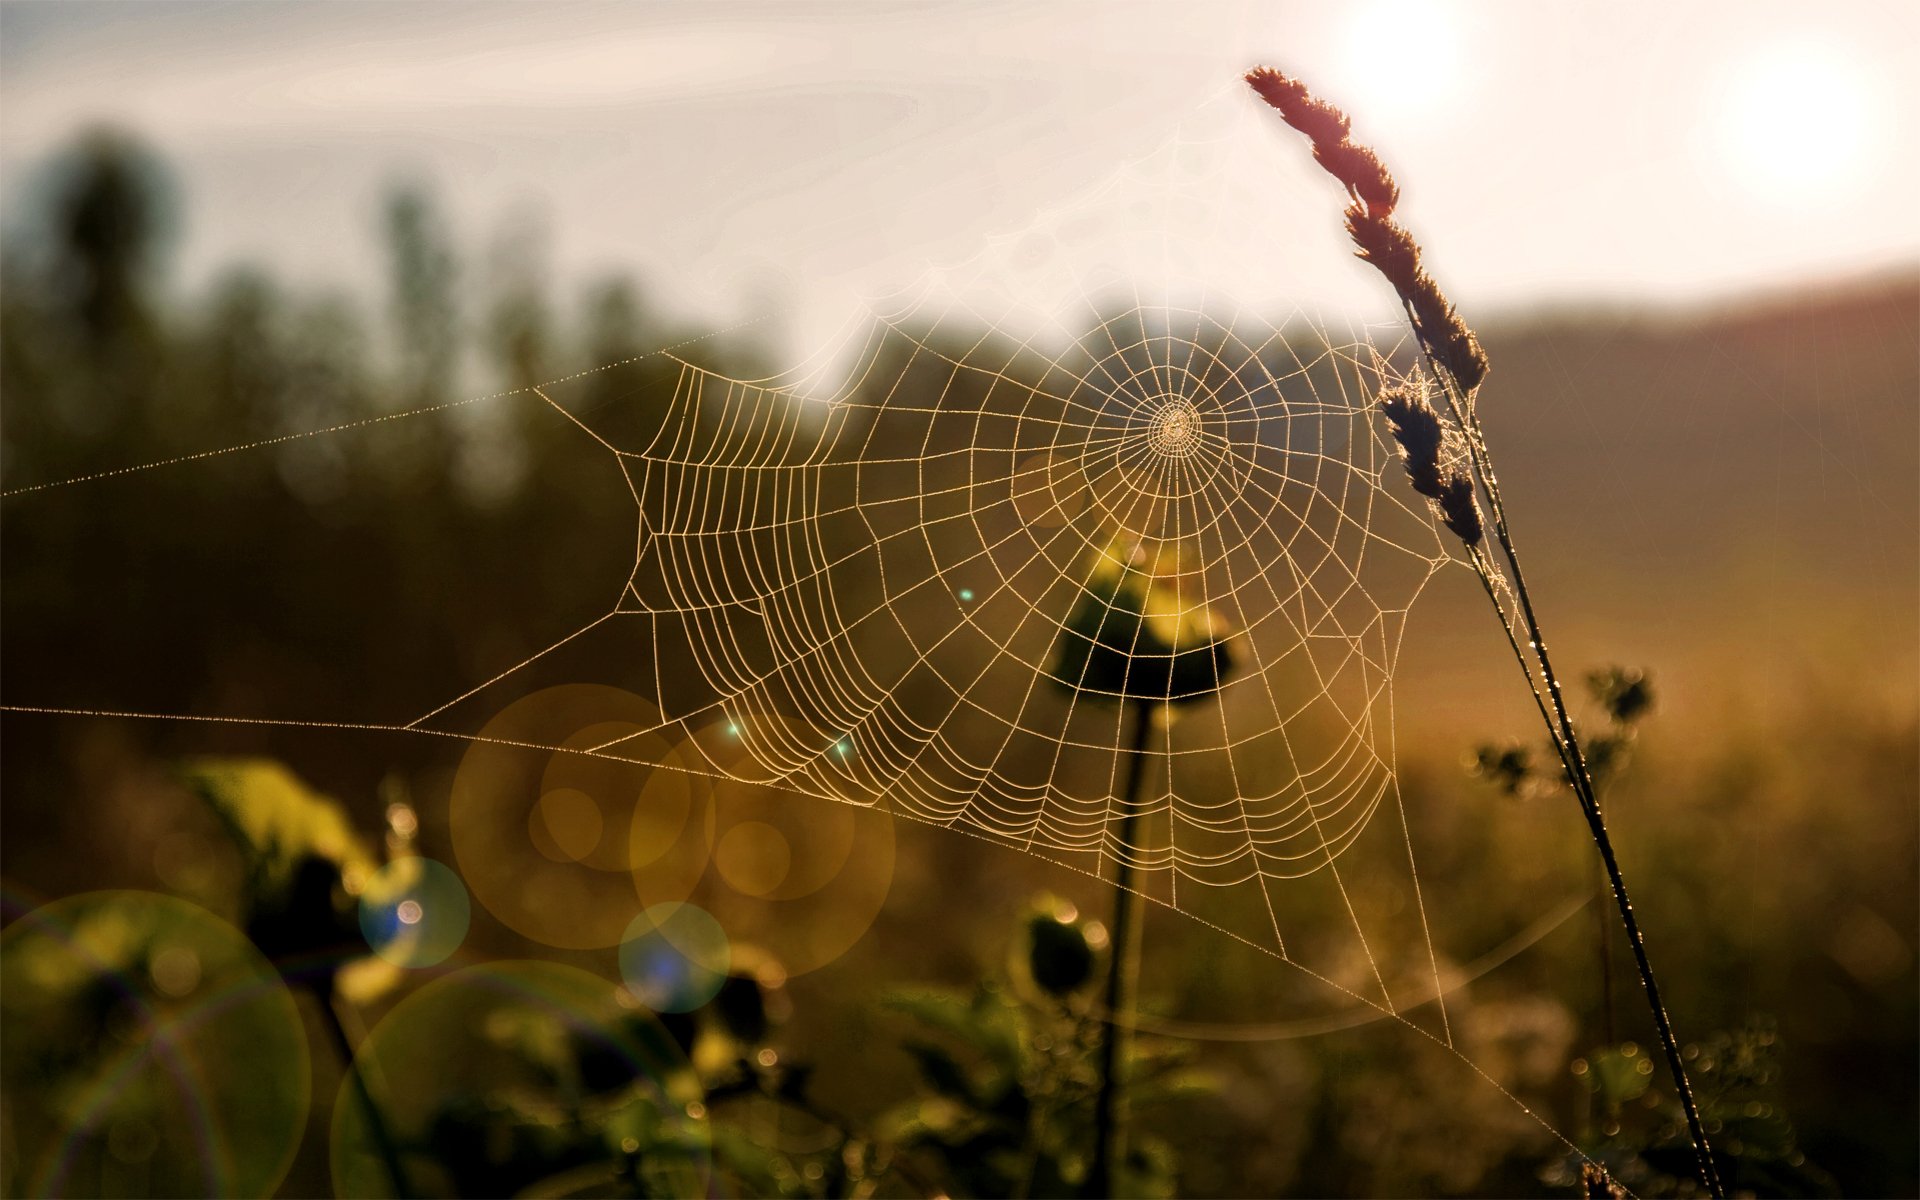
(1626, 695)
(1058, 956)
(742, 1008)
(683, 1028)
(1508, 768)
(312, 914)
(794, 1082)
(605, 1064)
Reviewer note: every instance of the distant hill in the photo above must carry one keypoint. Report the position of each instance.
(1733, 494)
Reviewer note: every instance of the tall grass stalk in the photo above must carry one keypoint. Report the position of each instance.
(1446, 456)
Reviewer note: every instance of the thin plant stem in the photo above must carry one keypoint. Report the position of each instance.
(1455, 358)
(1580, 777)
(376, 1123)
(1123, 979)
(1604, 947)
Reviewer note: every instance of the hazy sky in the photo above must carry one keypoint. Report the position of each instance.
(802, 152)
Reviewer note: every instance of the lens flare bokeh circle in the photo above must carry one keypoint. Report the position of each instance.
(454, 1063)
(545, 821)
(675, 957)
(414, 912)
(149, 1049)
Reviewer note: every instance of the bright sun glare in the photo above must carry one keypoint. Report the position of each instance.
(1401, 60)
(1796, 123)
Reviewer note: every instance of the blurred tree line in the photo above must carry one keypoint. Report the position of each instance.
(442, 540)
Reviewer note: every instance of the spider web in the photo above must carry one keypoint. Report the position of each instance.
(869, 580)
(856, 576)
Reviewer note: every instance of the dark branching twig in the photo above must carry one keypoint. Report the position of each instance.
(1425, 436)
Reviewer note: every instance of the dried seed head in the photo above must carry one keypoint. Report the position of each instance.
(1458, 511)
(1459, 352)
(1454, 346)
(1383, 244)
(1386, 247)
(1422, 437)
(1416, 427)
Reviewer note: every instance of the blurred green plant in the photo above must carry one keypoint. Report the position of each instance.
(304, 868)
(1010, 1080)
(148, 1050)
(1633, 1127)
(1636, 1129)
(580, 1098)
(304, 864)
(573, 1116)
(1624, 698)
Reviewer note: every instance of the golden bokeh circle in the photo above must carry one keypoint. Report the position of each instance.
(798, 876)
(544, 803)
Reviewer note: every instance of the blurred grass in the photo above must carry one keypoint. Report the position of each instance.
(1724, 497)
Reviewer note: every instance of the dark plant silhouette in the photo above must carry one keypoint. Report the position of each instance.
(1130, 639)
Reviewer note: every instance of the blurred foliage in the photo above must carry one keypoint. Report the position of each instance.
(1009, 1077)
(305, 867)
(575, 1103)
(1637, 1130)
(1623, 696)
(1635, 1126)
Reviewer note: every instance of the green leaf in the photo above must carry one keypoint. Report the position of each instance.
(277, 819)
(987, 1023)
(942, 1072)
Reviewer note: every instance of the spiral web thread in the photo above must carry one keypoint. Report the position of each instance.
(857, 576)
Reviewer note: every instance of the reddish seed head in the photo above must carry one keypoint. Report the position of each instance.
(1382, 243)
(1361, 171)
(1276, 89)
(1386, 247)
(1321, 122)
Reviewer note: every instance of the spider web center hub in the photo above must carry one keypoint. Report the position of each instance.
(1174, 428)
